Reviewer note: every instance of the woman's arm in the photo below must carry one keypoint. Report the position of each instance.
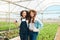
(19, 22)
(39, 24)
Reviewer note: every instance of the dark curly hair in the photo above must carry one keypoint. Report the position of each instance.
(26, 13)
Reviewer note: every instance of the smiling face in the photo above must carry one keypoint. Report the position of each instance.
(24, 14)
(32, 14)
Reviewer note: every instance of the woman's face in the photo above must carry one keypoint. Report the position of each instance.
(32, 14)
(24, 14)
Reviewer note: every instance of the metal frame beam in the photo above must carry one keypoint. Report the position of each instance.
(15, 4)
(23, 1)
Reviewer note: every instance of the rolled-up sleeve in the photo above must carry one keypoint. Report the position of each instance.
(40, 24)
(19, 21)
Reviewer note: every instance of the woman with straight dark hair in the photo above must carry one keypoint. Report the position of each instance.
(34, 25)
(24, 25)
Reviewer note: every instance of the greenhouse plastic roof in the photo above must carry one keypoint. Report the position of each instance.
(18, 5)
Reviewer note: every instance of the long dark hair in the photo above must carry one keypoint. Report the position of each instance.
(26, 14)
(33, 17)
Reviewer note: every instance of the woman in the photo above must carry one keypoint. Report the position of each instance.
(24, 26)
(34, 25)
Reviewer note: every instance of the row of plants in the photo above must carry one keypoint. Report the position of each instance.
(9, 30)
(10, 34)
(7, 25)
(48, 32)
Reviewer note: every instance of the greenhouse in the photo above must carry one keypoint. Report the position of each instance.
(48, 11)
